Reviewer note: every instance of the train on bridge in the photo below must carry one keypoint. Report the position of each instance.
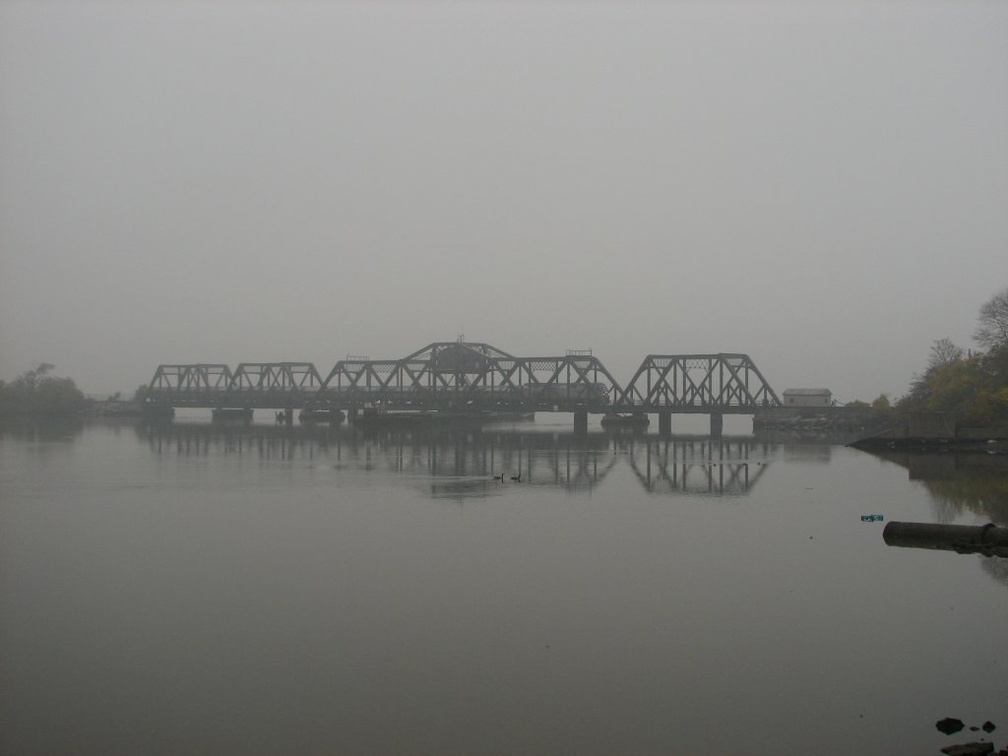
(472, 378)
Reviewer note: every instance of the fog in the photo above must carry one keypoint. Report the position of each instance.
(820, 185)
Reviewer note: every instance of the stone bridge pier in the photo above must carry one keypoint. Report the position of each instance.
(665, 423)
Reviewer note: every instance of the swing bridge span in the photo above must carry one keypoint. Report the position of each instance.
(467, 377)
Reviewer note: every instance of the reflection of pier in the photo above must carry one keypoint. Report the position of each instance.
(465, 462)
(698, 466)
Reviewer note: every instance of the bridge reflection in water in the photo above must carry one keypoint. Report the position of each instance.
(474, 463)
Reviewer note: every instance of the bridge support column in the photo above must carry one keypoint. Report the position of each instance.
(581, 422)
(289, 416)
(716, 424)
(664, 423)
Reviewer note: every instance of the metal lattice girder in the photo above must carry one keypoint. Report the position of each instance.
(460, 374)
(276, 376)
(698, 383)
(439, 366)
(573, 380)
(202, 377)
(473, 373)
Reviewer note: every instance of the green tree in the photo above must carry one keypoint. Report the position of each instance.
(37, 392)
(974, 386)
(943, 355)
(955, 388)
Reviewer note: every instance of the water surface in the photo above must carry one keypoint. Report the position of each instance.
(193, 589)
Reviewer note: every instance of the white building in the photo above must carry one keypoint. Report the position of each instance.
(808, 397)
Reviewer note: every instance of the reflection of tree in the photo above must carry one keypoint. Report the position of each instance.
(983, 492)
(958, 483)
(996, 567)
(42, 428)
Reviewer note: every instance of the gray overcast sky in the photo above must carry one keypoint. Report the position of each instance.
(823, 185)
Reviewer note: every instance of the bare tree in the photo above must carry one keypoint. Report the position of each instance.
(944, 352)
(992, 333)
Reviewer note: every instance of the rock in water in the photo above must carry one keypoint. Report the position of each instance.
(969, 749)
(949, 725)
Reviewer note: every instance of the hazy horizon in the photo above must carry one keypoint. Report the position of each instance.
(819, 185)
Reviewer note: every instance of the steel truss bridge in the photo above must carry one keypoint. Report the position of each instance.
(467, 377)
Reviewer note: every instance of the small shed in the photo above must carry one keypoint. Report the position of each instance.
(808, 397)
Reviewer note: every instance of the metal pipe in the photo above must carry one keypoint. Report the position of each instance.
(989, 540)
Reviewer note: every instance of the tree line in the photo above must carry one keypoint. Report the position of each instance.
(973, 384)
(36, 392)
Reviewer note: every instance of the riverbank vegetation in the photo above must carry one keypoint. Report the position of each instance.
(36, 392)
(971, 384)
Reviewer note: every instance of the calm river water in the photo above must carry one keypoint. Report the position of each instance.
(200, 590)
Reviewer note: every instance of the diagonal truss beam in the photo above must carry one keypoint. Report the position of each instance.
(721, 382)
(464, 374)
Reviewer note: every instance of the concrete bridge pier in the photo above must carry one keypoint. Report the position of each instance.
(665, 424)
(581, 422)
(289, 416)
(716, 424)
